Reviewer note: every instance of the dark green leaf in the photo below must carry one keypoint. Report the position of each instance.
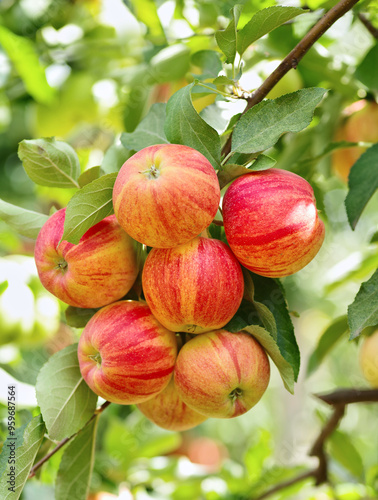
(262, 162)
(367, 71)
(227, 39)
(78, 317)
(343, 450)
(29, 439)
(209, 62)
(263, 22)
(21, 51)
(261, 126)
(25, 222)
(50, 163)
(66, 402)
(75, 469)
(150, 131)
(362, 182)
(327, 342)
(89, 175)
(183, 125)
(88, 206)
(363, 311)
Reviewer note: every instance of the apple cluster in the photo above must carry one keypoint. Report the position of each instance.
(165, 197)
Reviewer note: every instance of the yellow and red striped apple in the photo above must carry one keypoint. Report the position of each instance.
(125, 355)
(99, 270)
(165, 195)
(195, 287)
(221, 374)
(168, 410)
(271, 222)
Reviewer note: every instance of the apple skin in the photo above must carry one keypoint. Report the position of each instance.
(271, 222)
(165, 195)
(125, 355)
(221, 374)
(99, 270)
(168, 410)
(369, 359)
(195, 287)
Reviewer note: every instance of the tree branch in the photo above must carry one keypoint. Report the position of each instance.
(293, 58)
(65, 440)
(338, 399)
(368, 25)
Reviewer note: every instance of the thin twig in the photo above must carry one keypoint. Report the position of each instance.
(286, 484)
(65, 441)
(368, 25)
(348, 396)
(293, 58)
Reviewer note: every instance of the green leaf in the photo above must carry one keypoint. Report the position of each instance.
(362, 182)
(343, 450)
(50, 163)
(261, 126)
(262, 162)
(78, 317)
(162, 444)
(170, 64)
(327, 342)
(149, 132)
(227, 39)
(263, 22)
(75, 470)
(271, 347)
(66, 402)
(114, 158)
(367, 71)
(223, 80)
(146, 11)
(21, 51)
(363, 311)
(88, 206)
(209, 62)
(28, 442)
(184, 125)
(25, 222)
(89, 175)
(231, 171)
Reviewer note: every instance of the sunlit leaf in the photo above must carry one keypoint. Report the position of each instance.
(25, 222)
(363, 311)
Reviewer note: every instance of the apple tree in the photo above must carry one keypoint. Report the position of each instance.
(188, 268)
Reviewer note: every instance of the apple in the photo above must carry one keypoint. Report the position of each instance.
(99, 270)
(221, 374)
(195, 287)
(369, 359)
(271, 222)
(168, 410)
(360, 126)
(165, 195)
(125, 355)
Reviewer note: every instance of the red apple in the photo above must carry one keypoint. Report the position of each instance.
(168, 410)
(221, 374)
(195, 287)
(271, 222)
(125, 355)
(166, 195)
(99, 270)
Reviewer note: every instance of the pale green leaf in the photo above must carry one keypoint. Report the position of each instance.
(75, 469)
(363, 311)
(89, 175)
(227, 39)
(28, 442)
(263, 22)
(342, 449)
(25, 222)
(114, 158)
(261, 126)
(362, 182)
(149, 132)
(183, 125)
(88, 206)
(49, 162)
(21, 51)
(66, 402)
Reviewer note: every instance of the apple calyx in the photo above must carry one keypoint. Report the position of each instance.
(151, 173)
(235, 394)
(96, 358)
(62, 265)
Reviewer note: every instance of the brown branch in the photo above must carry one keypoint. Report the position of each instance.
(293, 58)
(338, 399)
(368, 25)
(65, 441)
